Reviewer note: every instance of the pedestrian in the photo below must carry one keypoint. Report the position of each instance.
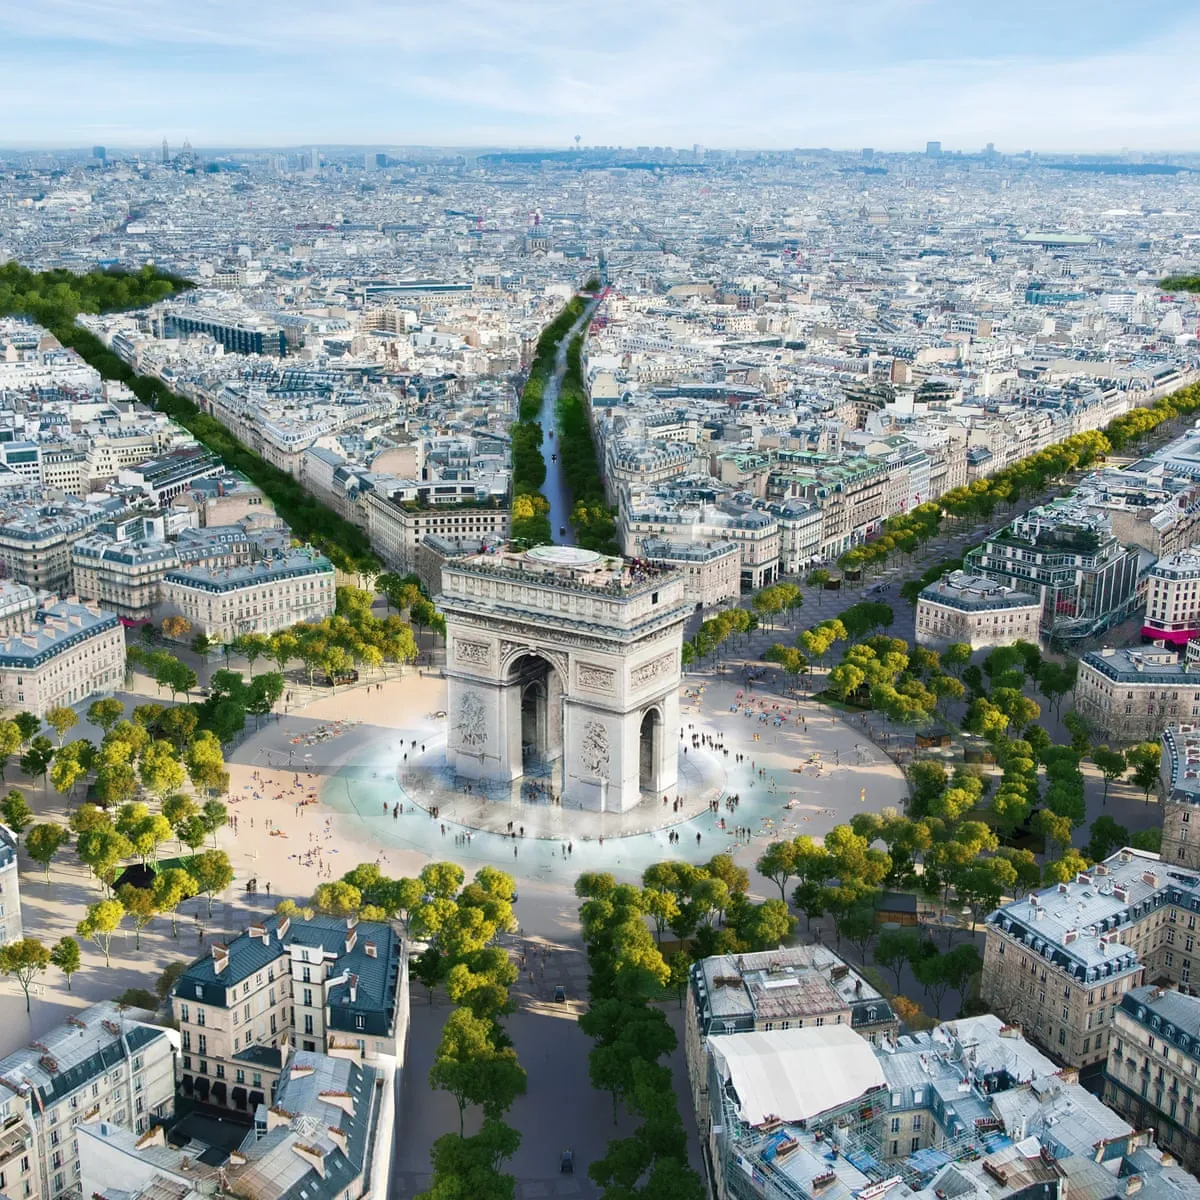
(268, 889)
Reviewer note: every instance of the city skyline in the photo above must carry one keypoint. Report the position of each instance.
(889, 73)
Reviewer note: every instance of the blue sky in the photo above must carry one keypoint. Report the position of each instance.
(1049, 75)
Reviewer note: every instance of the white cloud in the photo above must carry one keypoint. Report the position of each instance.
(890, 73)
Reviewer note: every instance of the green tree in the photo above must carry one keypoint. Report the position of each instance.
(18, 816)
(36, 760)
(959, 967)
(1112, 765)
(764, 926)
(139, 904)
(212, 872)
(171, 888)
(473, 1070)
(43, 842)
(896, 948)
(62, 719)
(160, 770)
(1147, 839)
(100, 923)
(29, 726)
(337, 899)
(778, 864)
(101, 849)
(105, 713)
(1106, 836)
(1144, 758)
(179, 725)
(64, 954)
(25, 960)
(10, 743)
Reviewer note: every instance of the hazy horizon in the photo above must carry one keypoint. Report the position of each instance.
(1069, 77)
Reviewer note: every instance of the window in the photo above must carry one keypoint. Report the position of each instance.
(895, 1124)
(308, 1023)
(915, 1145)
(916, 1122)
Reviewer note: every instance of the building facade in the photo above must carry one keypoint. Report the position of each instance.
(397, 528)
(1179, 771)
(272, 593)
(1173, 599)
(123, 576)
(1133, 695)
(67, 652)
(1059, 961)
(100, 1065)
(711, 571)
(327, 985)
(1151, 1077)
(1068, 557)
(976, 611)
(11, 929)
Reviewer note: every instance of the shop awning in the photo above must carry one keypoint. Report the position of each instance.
(218, 1091)
(188, 1084)
(239, 1097)
(256, 1098)
(202, 1087)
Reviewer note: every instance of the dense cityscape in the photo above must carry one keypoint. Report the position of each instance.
(607, 671)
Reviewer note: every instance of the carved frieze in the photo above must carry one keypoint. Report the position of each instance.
(478, 654)
(599, 679)
(594, 751)
(656, 668)
(471, 722)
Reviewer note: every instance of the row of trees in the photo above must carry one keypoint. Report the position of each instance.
(631, 1038)
(907, 532)
(595, 526)
(531, 510)
(1029, 477)
(716, 631)
(475, 1061)
(56, 298)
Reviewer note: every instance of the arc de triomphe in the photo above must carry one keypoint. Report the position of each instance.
(560, 658)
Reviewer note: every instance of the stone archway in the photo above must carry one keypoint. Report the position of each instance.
(650, 750)
(564, 665)
(538, 686)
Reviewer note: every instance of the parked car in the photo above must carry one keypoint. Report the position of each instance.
(566, 1164)
(560, 994)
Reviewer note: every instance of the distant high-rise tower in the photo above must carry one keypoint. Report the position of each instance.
(99, 152)
(315, 163)
(933, 149)
(166, 156)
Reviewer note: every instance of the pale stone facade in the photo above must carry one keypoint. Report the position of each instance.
(100, 1065)
(561, 657)
(396, 531)
(712, 571)
(977, 611)
(11, 929)
(1132, 695)
(327, 985)
(65, 653)
(1151, 1074)
(1179, 771)
(1059, 961)
(261, 597)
